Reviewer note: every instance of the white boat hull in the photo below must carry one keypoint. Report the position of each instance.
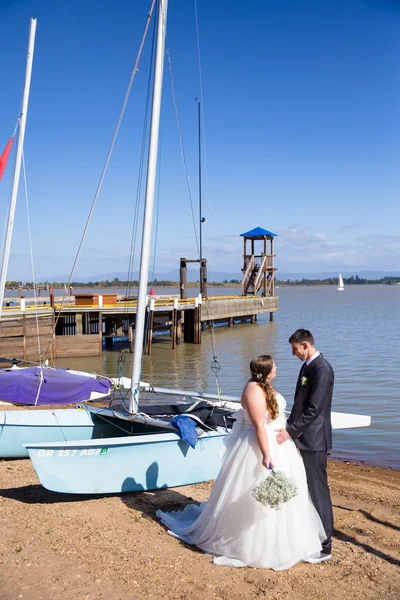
(19, 427)
(129, 464)
(138, 463)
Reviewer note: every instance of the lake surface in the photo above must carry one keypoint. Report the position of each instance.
(357, 331)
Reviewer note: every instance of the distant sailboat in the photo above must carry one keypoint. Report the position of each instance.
(340, 285)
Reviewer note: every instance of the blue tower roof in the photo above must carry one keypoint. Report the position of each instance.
(258, 232)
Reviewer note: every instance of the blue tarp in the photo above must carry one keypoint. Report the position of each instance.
(186, 429)
(57, 386)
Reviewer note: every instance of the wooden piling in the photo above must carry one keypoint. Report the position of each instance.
(199, 319)
(183, 279)
(130, 337)
(196, 321)
(150, 323)
(174, 323)
(179, 327)
(100, 333)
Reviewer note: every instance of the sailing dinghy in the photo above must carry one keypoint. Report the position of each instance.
(39, 385)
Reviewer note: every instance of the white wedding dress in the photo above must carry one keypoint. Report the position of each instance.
(236, 529)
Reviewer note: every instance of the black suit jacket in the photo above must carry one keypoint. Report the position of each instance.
(309, 423)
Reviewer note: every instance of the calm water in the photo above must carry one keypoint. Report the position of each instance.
(357, 331)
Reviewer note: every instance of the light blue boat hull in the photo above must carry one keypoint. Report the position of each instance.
(126, 464)
(19, 427)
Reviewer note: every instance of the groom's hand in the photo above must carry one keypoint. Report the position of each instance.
(282, 436)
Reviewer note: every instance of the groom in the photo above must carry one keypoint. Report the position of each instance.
(309, 425)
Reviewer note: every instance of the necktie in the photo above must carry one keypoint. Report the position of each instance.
(303, 368)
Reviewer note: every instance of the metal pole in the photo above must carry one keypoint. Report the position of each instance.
(149, 204)
(18, 160)
(200, 215)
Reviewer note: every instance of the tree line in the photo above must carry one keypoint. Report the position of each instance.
(116, 282)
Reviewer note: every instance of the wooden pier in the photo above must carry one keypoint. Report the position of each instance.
(78, 329)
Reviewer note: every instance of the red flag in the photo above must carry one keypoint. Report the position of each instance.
(4, 157)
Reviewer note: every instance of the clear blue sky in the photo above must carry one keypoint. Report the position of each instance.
(302, 123)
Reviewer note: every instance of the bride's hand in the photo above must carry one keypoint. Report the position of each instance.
(267, 462)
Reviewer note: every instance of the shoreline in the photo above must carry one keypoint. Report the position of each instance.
(354, 459)
(56, 546)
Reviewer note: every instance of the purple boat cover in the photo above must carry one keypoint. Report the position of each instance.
(57, 386)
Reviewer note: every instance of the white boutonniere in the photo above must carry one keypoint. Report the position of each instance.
(304, 380)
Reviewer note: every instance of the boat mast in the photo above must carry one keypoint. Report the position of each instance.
(148, 208)
(18, 160)
(200, 211)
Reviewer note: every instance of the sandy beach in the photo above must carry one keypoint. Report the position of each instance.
(113, 547)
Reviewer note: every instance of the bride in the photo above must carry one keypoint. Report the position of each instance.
(232, 526)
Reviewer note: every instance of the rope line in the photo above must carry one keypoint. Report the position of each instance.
(181, 143)
(141, 169)
(215, 366)
(110, 151)
(32, 262)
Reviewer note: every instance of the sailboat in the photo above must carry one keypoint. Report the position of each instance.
(340, 283)
(40, 384)
(154, 456)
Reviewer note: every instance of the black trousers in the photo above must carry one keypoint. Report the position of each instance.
(315, 463)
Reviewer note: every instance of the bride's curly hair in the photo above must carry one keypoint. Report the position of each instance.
(260, 368)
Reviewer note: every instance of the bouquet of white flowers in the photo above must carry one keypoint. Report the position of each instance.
(276, 489)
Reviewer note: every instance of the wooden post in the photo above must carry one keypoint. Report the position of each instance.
(271, 316)
(183, 279)
(24, 332)
(78, 321)
(231, 322)
(253, 319)
(119, 326)
(54, 335)
(130, 337)
(199, 319)
(272, 271)
(196, 321)
(174, 323)
(100, 332)
(150, 327)
(203, 277)
(179, 327)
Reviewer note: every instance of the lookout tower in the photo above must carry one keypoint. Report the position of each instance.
(258, 269)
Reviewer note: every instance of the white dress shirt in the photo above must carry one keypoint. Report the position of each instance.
(312, 358)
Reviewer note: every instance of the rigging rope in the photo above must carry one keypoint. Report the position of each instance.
(181, 142)
(141, 170)
(110, 151)
(32, 263)
(215, 366)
